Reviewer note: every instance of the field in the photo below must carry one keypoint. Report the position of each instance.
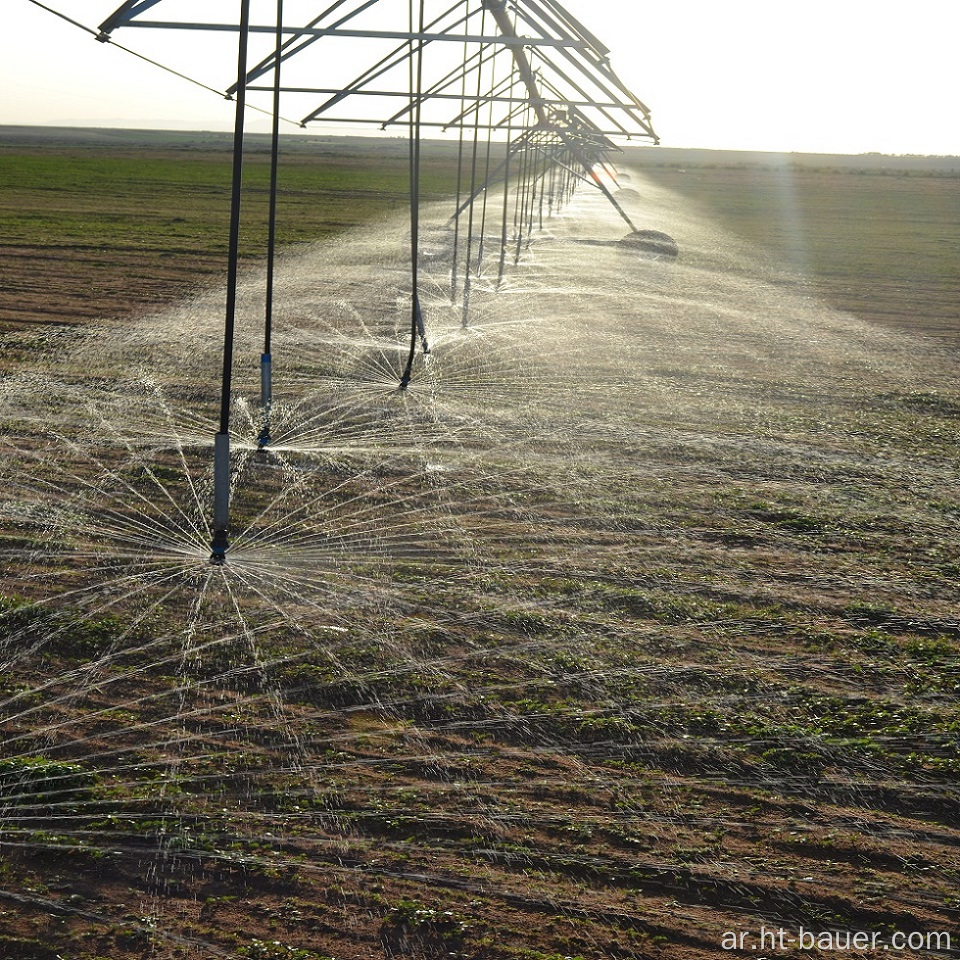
(877, 236)
(108, 224)
(631, 626)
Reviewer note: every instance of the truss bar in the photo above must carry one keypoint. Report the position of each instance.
(585, 126)
(498, 10)
(583, 93)
(436, 125)
(476, 103)
(507, 121)
(382, 66)
(132, 8)
(594, 68)
(284, 54)
(467, 67)
(575, 114)
(434, 92)
(571, 23)
(482, 99)
(461, 71)
(595, 53)
(364, 34)
(598, 71)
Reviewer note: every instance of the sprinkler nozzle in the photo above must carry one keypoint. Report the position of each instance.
(218, 548)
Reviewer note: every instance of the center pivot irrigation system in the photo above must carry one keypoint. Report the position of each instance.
(525, 75)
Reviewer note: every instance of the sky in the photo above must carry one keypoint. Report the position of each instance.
(818, 76)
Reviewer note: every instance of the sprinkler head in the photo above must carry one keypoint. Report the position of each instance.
(218, 548)
(264, 440)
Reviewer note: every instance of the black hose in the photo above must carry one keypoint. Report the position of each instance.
(417, 329)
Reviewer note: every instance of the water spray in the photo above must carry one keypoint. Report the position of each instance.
(557, 108)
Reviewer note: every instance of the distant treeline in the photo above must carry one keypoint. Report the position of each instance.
(864, 164)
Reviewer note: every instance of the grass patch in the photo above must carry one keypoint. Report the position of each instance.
(132, 227)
